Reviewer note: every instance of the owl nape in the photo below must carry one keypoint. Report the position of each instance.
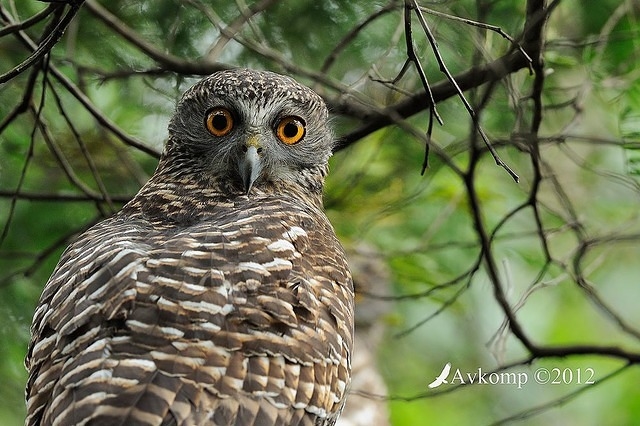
(220, 294)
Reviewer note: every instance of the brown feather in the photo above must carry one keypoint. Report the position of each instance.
(197, 304)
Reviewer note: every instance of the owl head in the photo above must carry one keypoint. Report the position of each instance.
(248, 130)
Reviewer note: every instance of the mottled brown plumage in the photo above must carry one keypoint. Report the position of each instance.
(219, 295)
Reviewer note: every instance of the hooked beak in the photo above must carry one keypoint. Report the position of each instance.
(250, 164)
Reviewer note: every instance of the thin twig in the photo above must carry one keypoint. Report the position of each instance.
(54, 32)
(473, 77)
(236, 26)
(27, 23)
(534, 411)
(445, 71)
(85, 101)
(84, 150)
(167, 60)
(353, 33)
(482, 25)
(28, 157)
(57, 197)
(413, 57)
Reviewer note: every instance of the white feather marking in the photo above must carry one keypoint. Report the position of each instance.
(294, 232)
(206, 307)
(281, 245)
(143, 364)
(253, 266)
(279, 264)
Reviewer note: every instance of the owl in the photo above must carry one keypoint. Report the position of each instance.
(219, 295)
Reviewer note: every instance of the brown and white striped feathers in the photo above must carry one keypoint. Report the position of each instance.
(219, 295)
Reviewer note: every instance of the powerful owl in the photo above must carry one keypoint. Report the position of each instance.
(220, 294)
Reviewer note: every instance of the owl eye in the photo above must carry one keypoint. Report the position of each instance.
(290, 130)
(219, 121)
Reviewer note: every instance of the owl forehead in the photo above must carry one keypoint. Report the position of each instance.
(262, 89)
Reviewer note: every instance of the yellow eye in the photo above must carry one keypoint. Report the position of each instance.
(219, 121)
(290, 130)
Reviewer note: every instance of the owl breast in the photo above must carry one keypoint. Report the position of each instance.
(220, 294)
(233, 305)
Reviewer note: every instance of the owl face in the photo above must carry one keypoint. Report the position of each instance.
(250, 128)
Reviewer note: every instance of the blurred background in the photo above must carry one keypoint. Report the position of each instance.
(458, 265)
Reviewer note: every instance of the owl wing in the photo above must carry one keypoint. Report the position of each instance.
(245, 322)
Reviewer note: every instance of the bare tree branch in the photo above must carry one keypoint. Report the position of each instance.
(511, 62)
(167, 61)
(52, 34)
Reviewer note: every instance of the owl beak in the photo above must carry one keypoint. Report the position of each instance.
(250, 163)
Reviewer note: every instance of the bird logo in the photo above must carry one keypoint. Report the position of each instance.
(442, 378)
